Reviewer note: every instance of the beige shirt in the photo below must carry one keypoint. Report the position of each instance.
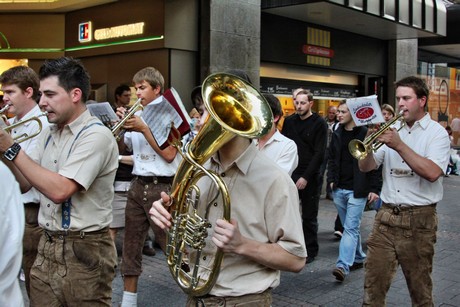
(264, 201)
(87, 154)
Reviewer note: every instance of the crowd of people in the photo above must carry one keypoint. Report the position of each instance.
(80, 186)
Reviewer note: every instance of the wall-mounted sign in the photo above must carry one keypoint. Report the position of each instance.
(318, 51)
(84, 32)
(119, 31)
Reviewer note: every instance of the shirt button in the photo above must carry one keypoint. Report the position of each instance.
(146, 186)
(47, 224)
(155, 181)
(222, 175)
(55, 161)
(48, 205)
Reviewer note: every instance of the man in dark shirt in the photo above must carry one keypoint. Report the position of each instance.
(309, 131)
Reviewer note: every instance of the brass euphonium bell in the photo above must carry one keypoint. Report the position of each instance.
(235, 108)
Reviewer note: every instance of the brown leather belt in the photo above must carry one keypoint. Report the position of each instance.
(69, 234)
(396, 208)
(155, 179)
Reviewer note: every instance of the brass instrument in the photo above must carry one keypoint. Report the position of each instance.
(24, 137)
(3, 110)
(235, 108)
(118, 130)
(360, 149)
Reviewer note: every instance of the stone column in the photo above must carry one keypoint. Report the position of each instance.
(402, 62)
(230, 37)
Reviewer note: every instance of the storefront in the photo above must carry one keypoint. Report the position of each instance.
(321, 60)
(113, 41)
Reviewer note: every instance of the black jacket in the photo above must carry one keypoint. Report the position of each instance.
(363, 183)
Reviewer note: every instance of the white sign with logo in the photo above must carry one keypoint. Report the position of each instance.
(365, 110)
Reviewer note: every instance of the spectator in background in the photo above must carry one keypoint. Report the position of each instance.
(309, 131)
(276, 146)
(388, 112)
(351, 190)
(12, 230)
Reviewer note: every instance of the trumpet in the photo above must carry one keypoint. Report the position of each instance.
(24, 137)
(360, 149)
(118, 130)
(3, 110)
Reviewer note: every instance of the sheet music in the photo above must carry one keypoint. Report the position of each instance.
(365, 110)
(103, 111)
(159, 117)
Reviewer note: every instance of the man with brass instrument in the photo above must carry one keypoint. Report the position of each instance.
(20, 91)
(153, 172)
(264, 233)
(404, 229)
(73, 166)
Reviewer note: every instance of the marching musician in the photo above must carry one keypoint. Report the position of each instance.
(264, 234)
(153, 171)
(73, 166)
(20, 91)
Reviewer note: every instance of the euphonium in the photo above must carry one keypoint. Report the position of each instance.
(118, 130)
(360, 149)
(235, 108)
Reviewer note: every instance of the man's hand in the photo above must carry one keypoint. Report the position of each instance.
(227, 236)
(135, 123)
(301, 183)
(391, 138)
(372, 197)
(158, 213)
(5, 141)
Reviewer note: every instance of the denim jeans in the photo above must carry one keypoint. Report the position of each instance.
(350, 210)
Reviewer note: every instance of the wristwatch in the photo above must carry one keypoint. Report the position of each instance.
(12, 152)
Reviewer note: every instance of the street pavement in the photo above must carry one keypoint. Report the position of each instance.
(315, 285)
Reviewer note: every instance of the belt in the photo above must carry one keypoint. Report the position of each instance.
(405, 207)
(70, 234)
(155, 179)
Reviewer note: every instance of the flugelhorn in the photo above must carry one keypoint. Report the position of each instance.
(24, 137)
(360, 149)
(235, 108)
(118, 131)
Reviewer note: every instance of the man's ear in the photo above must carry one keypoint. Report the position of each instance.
(29, 92)
(76, 95)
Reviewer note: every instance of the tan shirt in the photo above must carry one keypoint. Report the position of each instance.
(264, 201)
(91, 159)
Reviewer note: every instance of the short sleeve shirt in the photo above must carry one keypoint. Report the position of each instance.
(86, 152)
(264, 201)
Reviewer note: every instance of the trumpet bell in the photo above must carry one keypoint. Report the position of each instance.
(357, 149)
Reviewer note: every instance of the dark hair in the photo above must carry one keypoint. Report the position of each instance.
(275, 104)
(22, 76)
(121, 89)
(418, 85)
(70, 72)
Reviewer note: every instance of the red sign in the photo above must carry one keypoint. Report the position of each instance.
(318, 51)
(364, 112)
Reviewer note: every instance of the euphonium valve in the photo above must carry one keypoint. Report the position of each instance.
(235, 108)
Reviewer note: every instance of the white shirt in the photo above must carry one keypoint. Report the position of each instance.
(146, 161)
(401, 185)
(281, 150)
(31, 127)
(11, 230)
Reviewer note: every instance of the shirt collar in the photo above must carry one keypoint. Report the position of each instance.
(76, 125)
(243, 162)
(423, 122)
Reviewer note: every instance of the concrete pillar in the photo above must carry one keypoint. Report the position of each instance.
(402, 62)
(230, 37)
